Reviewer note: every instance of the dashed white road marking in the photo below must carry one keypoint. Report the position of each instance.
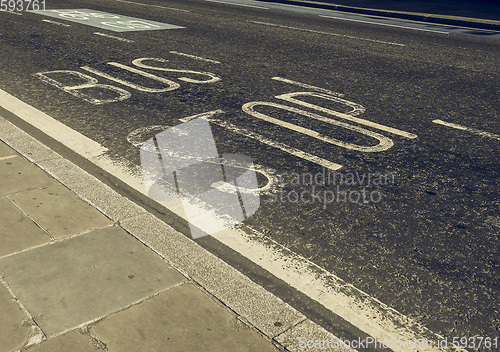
(114, 37)
(307, 86)
(368, 314)
(232, 3)
(328, 33)
(206, 115)
(57, 23)
(7, 157)
(161, 7)
(384, 24)
(194, 57)
(468, 129)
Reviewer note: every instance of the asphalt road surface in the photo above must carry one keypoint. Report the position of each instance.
(403, 117)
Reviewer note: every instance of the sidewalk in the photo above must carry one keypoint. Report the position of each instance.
(479, 14)
(73, 280)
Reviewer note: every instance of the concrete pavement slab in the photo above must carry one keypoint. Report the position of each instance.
(5, 150)
(59, 211)
(74, 341)
(17, 231)
(18, 174)
(14, 329)
(180, 319)
(309, 336)
(75, 281)
(87, 187)
(260, 308)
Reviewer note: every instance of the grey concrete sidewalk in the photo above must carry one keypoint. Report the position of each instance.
(479, 14)
(73, 280)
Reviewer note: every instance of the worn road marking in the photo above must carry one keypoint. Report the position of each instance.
(171, 84)
(53, 128)
(7, 157)
(468, 129)
(58, 23)
(114, 37)
(207, 115)
(328, 33)
(90, 82)
(13, 13)
(383, 24)
(308, 86)
(194, 57)
(233, 3)
(161, 7)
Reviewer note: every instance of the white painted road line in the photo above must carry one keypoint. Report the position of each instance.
(233, 3)
(383, 24)
(194, 57)
(206, 115)
(13, 13)
(161, 7)
(53, 128)
(58, 23)
(307, 86)
(114, 37)
(327, 33)
(468, 129)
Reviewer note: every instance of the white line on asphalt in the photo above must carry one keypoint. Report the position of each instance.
(7, 157)
(161, 7)
(284, 147)
(13, 13)
(207, 115)
(383, 24)
(53, 128)
(328, 33)
(58, 23)
(363, 311)
(194, 57)
(171, 85)
(308, 86)
(114, 37)
(469, 129)
(232, 3)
